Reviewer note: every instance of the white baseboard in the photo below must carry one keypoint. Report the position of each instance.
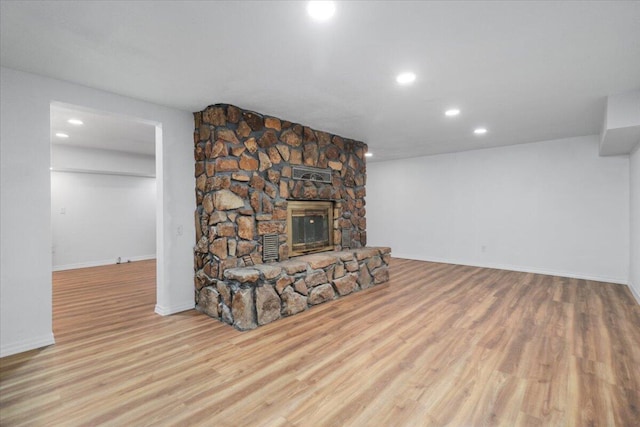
(523, 269)
(141, 257)
(26, 345)
(166, 311)
(110, 261)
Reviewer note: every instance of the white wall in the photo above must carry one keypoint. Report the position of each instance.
(99, 217)
(551, 207)
(93, 159)
(621, 127)
(623, 110)
(634, 247)
(25, 202)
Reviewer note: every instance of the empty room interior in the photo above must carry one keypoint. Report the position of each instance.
(320, 213)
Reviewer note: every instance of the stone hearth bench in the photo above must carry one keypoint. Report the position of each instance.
(254, 296)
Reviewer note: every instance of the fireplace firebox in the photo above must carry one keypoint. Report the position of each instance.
(310, 225)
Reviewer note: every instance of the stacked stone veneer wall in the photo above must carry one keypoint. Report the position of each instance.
(243, 170)
(254, 296)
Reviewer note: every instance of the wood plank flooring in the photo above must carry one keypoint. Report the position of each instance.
(438, 345)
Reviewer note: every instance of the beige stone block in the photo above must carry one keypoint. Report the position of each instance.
(321, 294)
(267, 304)
(319, 260)
(293, 302)
(346, 284)
(208, 301)
(269, 271)
(224, 200)
(242, 275)
(242, 309)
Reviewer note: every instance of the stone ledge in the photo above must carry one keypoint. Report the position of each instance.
(257, 295)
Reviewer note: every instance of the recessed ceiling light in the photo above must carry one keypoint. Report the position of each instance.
(368, 154)
(62, 135)
(321, 10)
(480, 131)
(452, 112)
(405, 78)
(77, 122)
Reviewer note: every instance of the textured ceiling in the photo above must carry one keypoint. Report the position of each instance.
(528, 71)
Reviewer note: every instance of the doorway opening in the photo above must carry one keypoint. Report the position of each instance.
(105, 192)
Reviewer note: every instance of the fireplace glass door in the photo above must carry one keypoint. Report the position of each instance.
(310, 227)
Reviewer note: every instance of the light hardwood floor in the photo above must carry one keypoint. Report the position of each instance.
(437, 345)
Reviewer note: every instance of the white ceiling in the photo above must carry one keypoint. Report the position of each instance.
(528, 71)
(101, 131)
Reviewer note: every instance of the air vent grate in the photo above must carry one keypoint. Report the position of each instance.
(270, 247)
(346, 238)
(304, 173)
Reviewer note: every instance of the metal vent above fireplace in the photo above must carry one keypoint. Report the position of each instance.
(270, 247)
(305, 173)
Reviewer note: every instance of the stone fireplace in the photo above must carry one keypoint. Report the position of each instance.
(268, 190)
